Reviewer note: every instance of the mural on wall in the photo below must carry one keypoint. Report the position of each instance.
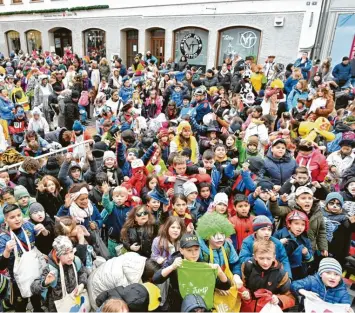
(241, 41)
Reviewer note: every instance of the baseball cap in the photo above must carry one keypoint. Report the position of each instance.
(302, 189)
(279, 140)
(188, 241)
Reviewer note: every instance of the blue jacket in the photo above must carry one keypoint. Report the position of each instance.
(314, 283)
(125, 165)
(294, 247)
(305, 67)
(216, 176)
(126, 93)
(279, 170)
(289, 84)
(205, 203)
(123, 70)
(246, 183)
(202, 108)
(152, 57)
(95, 216)
(6, 107)
(293, 97)
(259, 207)
(178, 97)
(218, 256)
(246, 253)
(342, 72)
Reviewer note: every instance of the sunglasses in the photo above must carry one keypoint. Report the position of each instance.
(144, 213)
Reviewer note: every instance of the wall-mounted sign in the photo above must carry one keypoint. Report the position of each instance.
(248, 39)
(191, 46)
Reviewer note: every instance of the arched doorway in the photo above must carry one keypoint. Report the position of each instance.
(13, 41)
(34, 40)
(62, 38)
(156, 43)
(131, 45)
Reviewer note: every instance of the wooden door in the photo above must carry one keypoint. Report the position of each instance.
(132, 46)
(158, 49)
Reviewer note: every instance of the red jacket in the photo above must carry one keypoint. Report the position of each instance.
(243, 228)
(316, 163)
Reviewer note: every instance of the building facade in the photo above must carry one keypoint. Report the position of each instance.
(207, 32)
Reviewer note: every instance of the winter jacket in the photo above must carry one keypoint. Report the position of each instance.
(95, 216)
(174, 297)
(305, 67)
(40, 125)
(243, 227)
(140, 236)
(210, 82)
(53, 292)
(341, 163)
(224, 80)
(128, 269)
(66, 180)
(246, 253)
(314, 283)
(294, 247)
(71, 113)
(342, 72)
(126, 93)
(114, 174)
(178, 97)
(50, 202)
(316, 232)
(57, 136)
(279, 170)
(28, 181)
(259, 207)
(275, 280)
(114, 217)
(294, 96)
(6, 107)
(39, 96)
(290, 84)
(44, 243)
(202, 108)
(316, 164)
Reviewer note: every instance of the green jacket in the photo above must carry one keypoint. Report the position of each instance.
(244, 153)
(24, 210)
(316, 232)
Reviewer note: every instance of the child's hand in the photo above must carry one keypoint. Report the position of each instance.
(272, 195)
(284, 197)
(246, 295)
(170, 192)
(352, 219)
(90, 156)
(105, 188)
(245, 166)
(316, 184)
(177, 263)
(234, 161)
(136, 199)
(135, 247)
(117, 137)
(40, 187)
(201, 170)
(50, 278)
(68, 201)
(238, 281)
(274, 300)
(257, 192)
(324, 253)
(68, 157)
(284, 241)
(155, 145)
(304, 251)
(39, 228)
(161, 260)
(276, 188)
(126, 178)
(190, 228)
(77, 291)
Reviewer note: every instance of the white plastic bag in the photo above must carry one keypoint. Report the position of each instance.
(313, 305)
(271, 308)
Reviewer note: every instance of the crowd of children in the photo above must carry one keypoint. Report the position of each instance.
(251, 180)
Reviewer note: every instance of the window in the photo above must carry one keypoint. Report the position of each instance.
(34, 40)
(16, 1)
(344, 38)
(13, 41)
(95, 40)
(243, 41)
(192, 43)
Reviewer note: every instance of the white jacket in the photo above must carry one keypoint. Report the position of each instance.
(119, 271)
(257, 129)
(37, 125)
(340, 163)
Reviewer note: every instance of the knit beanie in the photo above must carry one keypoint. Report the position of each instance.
(261, 221)
(109, 154)
(20, 192)
(329, 265)
(35, 207)
(77, 126)
(189, 187)
(333, 196)
(62, 245)
(220, 197)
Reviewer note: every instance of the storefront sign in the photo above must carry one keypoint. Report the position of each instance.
(248, 39)
(191, 46)
(61, 14)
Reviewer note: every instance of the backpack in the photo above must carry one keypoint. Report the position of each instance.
(349, 135)
(84, 98)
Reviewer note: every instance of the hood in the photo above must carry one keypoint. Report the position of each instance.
(340, 127)
(192, 302)
(22, 170)
(286, 158)
(350, 180)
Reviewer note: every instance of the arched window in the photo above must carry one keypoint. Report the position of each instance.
(243, 41)
(191, 42)
(13, 41)
(34, 40)
(95, 40)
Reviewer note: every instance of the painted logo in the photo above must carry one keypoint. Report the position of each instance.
(248, 39)
(191, 46)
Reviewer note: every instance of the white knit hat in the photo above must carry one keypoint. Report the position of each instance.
(189, 187)
(220, 197)
(109, 154)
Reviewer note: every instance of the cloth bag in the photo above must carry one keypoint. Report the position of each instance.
(28, 267)
(230, 302)
(197, 278)
(70, 303)
(320, 306)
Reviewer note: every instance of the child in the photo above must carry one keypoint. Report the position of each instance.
(164, 144)
(297, 245)
(204, 199)
(45, 234)
(110, 168)
(242, 220)
(232, 151)
(61, 259)
(156, 164)
(305, 203)
(262, 228)
(259, 199)
(220, 203)
(190, 192)
(139, 175)
(158, 203)
(180, 209)
(253, 148)
(114, 214)
(265, 272)
(28, 175)
(186, 108)
(23, 199)
(327, 284)
(151, 183)
(18, 126)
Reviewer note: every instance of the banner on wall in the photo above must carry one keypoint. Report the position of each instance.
(352, 49)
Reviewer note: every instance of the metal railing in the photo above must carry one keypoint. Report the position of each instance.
(47, 155)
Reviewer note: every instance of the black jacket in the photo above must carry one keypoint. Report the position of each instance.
(225, 80)
(44, 243)
(71, 113)
(210, 82)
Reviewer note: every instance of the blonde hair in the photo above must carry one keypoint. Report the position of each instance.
(119, 190)
(115, 305)
(264, 246)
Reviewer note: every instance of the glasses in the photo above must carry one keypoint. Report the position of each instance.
(144, 213)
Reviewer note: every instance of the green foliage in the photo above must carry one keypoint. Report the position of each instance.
(92, 7)
(213, 223)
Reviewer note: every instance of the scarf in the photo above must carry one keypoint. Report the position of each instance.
(80, 214)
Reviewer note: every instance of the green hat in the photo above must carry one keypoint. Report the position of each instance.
(20, 192)
(214, 223)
